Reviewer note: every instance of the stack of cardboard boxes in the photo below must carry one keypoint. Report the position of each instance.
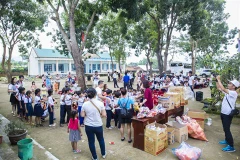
(179, 90)
(198, 115)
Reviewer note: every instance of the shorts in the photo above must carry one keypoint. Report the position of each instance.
(125, 120)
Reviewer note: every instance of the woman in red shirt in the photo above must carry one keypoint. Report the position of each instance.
(148, 101)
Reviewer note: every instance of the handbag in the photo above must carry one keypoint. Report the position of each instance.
(124, 112)
(234, 111)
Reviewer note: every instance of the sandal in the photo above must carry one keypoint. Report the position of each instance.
(122, 139)
(130, 141)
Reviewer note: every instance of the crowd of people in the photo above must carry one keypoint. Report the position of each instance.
(87, 108)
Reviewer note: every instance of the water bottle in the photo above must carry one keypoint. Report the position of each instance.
(209, 121)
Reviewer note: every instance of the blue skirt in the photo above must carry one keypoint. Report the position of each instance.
(38, 111)
(29, 109)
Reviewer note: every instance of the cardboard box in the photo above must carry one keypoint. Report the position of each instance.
(155, 142)
(198, 115)
(181, 131)
(174, 98)
(166, 102)
(171, 132)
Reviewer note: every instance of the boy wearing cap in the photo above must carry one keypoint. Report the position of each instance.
(228, 104)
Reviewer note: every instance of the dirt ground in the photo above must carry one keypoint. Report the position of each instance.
(53, 143)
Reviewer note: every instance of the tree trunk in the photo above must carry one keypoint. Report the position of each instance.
(119, 66)
(194, 52)
(159, 55)
(149, 63)
(111, 61)
(165, 61)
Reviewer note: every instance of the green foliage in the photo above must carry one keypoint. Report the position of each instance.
(14, 128)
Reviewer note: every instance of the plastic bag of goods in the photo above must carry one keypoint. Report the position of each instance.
(152, 113)
(188, 94)
(143, 112)
(159, 108)
(187, 152)
(194, 129)
(136, 107)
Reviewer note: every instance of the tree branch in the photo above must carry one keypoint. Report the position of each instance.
(64, 7)
(51, 5)
(4, 53)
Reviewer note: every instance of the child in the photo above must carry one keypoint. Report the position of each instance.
(74, 131)
(68, 101)
(33, 87)
(38, 110)
(62, 108)
(28, 106)
(75, 97)
(44, 90)
(50, 108)
(81, 100)
(117, 110)
(55, 87)
(109, 108)
(21, 105)
(74, 106)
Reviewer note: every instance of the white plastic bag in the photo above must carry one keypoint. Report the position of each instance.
(187, 152)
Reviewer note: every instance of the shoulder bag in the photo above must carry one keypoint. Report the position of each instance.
(96, 107)
(125, 113)
(234, 111)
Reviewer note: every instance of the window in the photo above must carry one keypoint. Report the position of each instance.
(73, 67)
(180, 64)
(47, 67)
(114, 66)
(187, 66)
(107, 66)
(60, 67)
(54, 67)
(94, 67)
(103, 67)
(98, 66)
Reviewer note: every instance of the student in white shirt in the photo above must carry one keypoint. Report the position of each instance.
(68, 102)
(228, 104)
(51, 108)
(80, 101)
(62, 108)
(168, 83)
(95, 79)
(191, 81)
(115, 80)
(100, 96)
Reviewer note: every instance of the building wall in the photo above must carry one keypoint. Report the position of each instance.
(33, 64)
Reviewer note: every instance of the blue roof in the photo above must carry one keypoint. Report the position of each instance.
(53, 53)
(49, 53)
(104, 55)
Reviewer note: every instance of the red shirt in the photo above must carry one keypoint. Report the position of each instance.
(73, 124)
(148, 96)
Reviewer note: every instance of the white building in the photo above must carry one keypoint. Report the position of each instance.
(43, 61)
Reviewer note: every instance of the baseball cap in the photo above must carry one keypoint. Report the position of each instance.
(235, 83)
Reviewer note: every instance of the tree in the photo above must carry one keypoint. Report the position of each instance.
(208, 32)
(111, 34)
(19, 20)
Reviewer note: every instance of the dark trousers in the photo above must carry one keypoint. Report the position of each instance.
(125, 85)
(91, 132)
(21, 111)
(108, 78)
(109, 118)
(226, 122)
(115, 83)
(50, 115)
(116, 118)
(62, 114)
(68, 110)
(81, 119)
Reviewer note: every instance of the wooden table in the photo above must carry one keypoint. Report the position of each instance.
(140, 124)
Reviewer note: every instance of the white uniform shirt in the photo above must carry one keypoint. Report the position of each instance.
(28, 99)
(95, 79)
(61, 100)
(81, 101)
(37, 100)
(190, 82)
(114, 75)
(50, 101)
(232, 97)
(68, 100)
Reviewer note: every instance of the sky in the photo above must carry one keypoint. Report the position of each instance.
(232, 7)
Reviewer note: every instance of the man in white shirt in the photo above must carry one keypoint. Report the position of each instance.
(115, 80)
(100, 96)
(228, 104)
(191, 81)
